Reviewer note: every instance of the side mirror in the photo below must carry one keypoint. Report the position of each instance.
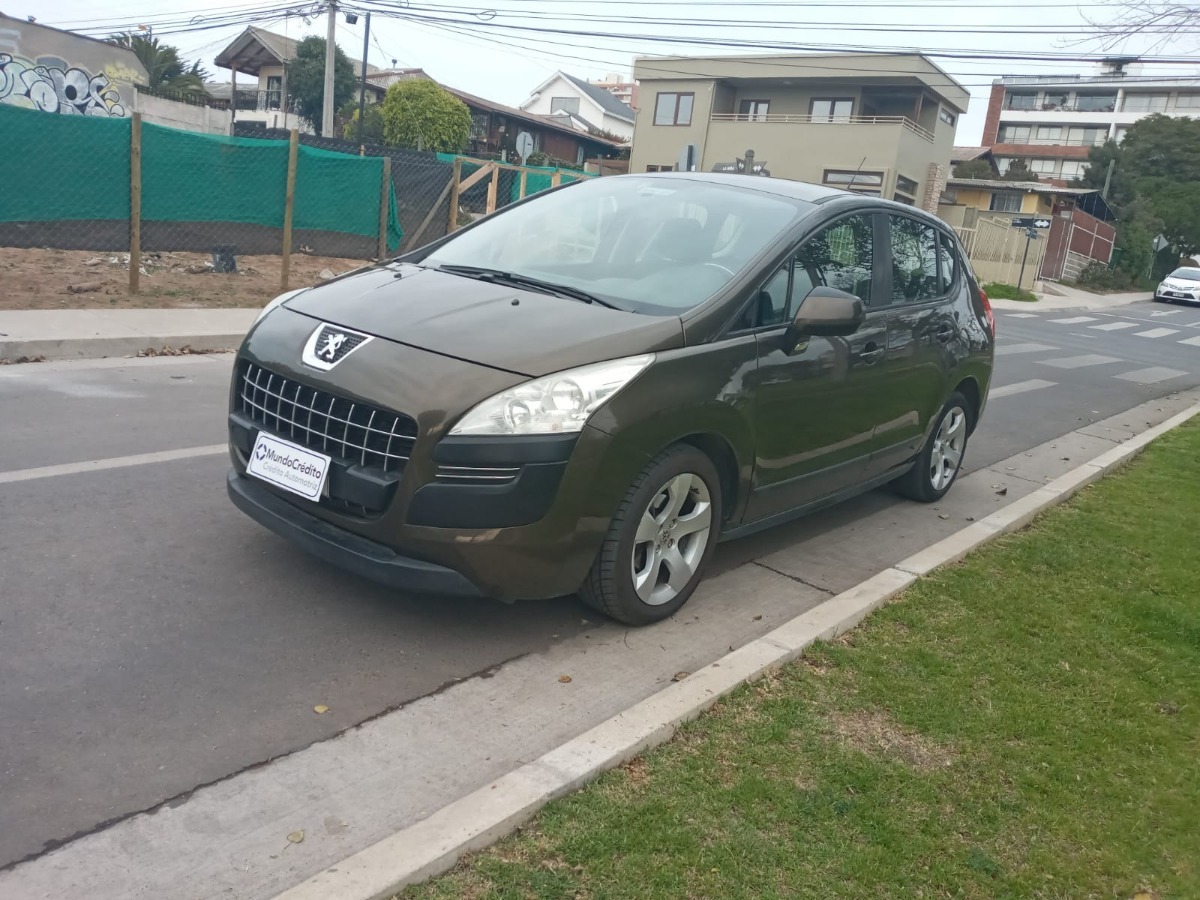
(828, 312)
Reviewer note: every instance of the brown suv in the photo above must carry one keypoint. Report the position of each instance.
(585, 391)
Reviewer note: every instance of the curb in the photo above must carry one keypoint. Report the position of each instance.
(433, 845)
(101, 347)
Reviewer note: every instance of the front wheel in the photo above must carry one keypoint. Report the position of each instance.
(940, 460)
(660, 540)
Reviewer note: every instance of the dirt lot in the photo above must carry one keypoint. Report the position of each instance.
(71, 279)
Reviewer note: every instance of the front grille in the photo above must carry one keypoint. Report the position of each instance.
(357, 432)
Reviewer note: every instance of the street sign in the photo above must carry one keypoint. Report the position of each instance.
(1160, 243)
(1030, 222)
(524, 146)
(687, 159)
(739, 168)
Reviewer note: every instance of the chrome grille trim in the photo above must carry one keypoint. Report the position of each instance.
(367, 435)
(497, 474)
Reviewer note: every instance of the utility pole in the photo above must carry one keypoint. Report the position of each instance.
(330, 45)
(362, 88)
(1112, 164)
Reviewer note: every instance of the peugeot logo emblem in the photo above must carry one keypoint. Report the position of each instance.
(333, 343)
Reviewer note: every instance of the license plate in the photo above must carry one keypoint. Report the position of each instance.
(289, 466)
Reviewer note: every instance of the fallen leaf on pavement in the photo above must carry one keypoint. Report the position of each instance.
(1003, 492)
(756, 618)
(320, 709)
(943, 515)
(679, 676)
(564, 679)
(296, 837)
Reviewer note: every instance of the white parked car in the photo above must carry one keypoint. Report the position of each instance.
(1182, 284)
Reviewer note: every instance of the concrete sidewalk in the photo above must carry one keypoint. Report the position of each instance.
(97, 333)
(1059, 296)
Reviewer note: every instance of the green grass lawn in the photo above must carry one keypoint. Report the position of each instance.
(1024, 724)
(997, 291)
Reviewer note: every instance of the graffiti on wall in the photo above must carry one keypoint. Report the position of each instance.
(53, 86)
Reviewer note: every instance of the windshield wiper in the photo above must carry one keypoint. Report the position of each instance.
(546, 287)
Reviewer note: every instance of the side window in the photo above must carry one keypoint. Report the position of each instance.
(949, 264)
(914, 261)
(839, 257)
(771, 306)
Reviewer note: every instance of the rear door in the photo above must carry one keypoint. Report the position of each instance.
(922, 335)
(814, 418)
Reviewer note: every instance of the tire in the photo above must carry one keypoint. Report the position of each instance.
(922, 482)
(633, 579)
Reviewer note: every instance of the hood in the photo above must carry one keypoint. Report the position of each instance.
(520, 331)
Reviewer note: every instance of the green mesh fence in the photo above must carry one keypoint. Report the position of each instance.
(77, 169)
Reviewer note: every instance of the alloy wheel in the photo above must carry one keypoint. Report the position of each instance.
(948, 446)
(672, 536)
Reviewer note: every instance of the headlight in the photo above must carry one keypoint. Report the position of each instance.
(278, 301)
(556, 404)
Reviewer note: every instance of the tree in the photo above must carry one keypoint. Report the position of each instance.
(372, 132)
(1166, 21)
(306, 79)
(1018, 170)
(421, 113)
(974, 168)
(1176, 206)
(166, 69)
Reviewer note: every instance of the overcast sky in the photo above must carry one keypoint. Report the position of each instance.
(477, 55)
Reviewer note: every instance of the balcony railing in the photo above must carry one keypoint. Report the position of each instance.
(261, 101)
(797, 119)
(1106, 107)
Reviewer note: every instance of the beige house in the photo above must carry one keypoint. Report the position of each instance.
(878, 124)
(263, 55)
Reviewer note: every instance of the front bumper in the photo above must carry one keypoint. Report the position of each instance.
(335, 545)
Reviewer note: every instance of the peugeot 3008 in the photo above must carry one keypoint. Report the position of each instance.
(584, 391)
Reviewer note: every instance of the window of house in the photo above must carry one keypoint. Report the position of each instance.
(673, 109)
(1043, 166)
(914, 261)
(1006, 201)
(906, 191)
(1145, 103)
(660, 168)
(831, 109)
(870, 183)
(946, 116)
(1087, 136)
(1187, 101)
(1054, 100)
(753, 110)
(1121, 132)
(1073, 168)
(839, 257)
(1020, 100)
(1048, 134)
(565, 104)
(274, 98)
(1014, 134)
(1002, 163)
(1096, 102)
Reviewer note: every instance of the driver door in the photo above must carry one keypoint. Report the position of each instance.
(814, 418)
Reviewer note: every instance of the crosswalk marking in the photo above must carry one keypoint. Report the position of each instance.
(1191, 342)
(1165, 312)
(1114, 326)
(1011, 349)
(1079, 362)
(1074, 320)
(1021, 387)
(1150, 376)
(1157, 332)
(1020, 315)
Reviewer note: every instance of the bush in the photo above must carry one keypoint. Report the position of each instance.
(1100, 277)
(996, 290)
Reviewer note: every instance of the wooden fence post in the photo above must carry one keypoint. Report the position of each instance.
(556, 179)
(289, 206)
(455, 178)
(491, 192)
(524, 183)
(135, 201)
(385, 194)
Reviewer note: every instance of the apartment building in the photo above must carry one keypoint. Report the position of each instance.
(1052, 121)
(878, 124)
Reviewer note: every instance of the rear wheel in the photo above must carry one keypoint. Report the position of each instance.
(940, 460)
(660, 540)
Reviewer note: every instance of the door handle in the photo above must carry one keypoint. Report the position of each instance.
(870, 353)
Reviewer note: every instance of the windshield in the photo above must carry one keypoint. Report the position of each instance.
(659, 246)
(1186, 274)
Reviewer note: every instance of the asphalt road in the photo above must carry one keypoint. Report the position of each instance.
(153, 639)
